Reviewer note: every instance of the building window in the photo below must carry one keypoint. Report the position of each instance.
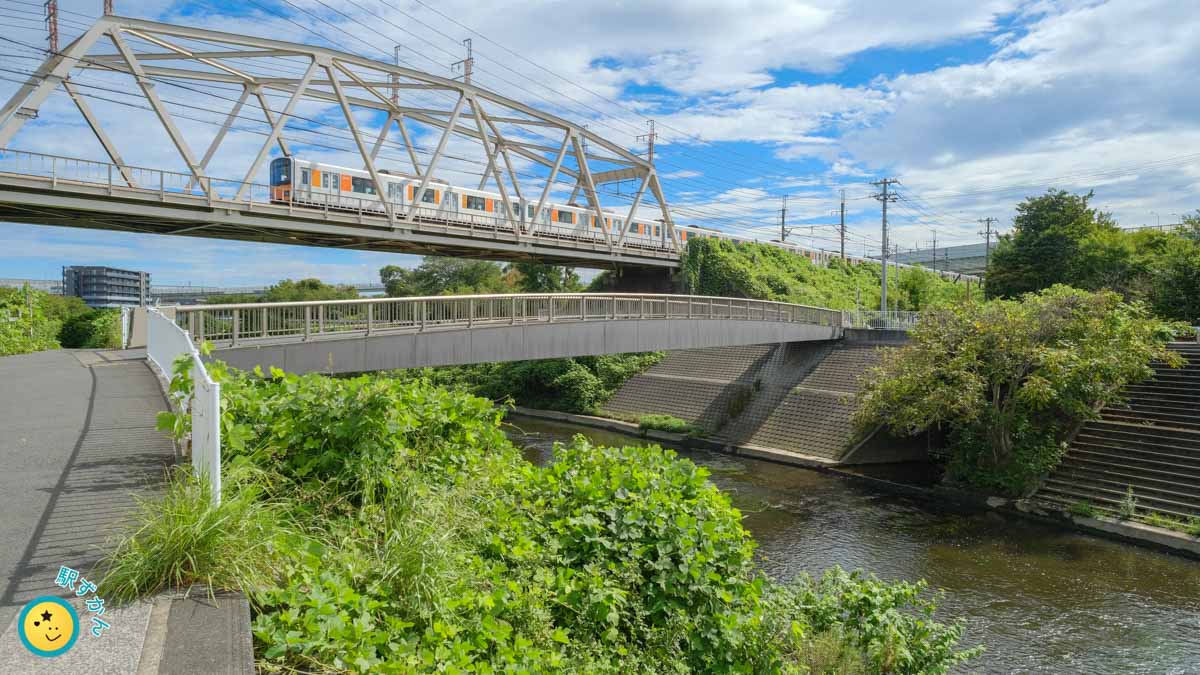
(475, 203)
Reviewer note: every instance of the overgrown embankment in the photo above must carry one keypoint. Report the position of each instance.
(1009, 380)
(763, 272)
(386, 525)
(32, 320)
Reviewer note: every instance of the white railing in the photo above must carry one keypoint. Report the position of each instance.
(165, 342)
(232, 324)
(889, 320)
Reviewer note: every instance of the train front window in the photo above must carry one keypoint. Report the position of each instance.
(281, 171)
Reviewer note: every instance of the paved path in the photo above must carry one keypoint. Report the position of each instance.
(77, 439)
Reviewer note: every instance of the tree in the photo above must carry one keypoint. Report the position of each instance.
(444, 276)
(1042, 250)
(1176, 283)
(1009, 379)
(541, 278)
(304, 290)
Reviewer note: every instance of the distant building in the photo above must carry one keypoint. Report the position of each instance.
(964, 259)
(106, 286)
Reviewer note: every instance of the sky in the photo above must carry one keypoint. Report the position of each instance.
(973, 106)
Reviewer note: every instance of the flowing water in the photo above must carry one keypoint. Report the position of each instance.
(1040, 598)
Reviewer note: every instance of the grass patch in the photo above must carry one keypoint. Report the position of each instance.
(668, 423)
(1082, 508)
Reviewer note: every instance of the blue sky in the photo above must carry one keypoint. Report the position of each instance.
(972, 105)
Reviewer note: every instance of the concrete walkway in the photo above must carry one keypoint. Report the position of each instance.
(77, 440)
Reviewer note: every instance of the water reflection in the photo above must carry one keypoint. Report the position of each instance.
(1041, 599)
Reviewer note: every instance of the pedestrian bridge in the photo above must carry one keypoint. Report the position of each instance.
(362, 335)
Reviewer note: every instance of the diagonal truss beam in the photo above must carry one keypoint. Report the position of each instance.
(276, 128)
(419, 195)
(358, 141)
(508, 211)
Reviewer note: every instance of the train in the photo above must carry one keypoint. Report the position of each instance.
(304, 183)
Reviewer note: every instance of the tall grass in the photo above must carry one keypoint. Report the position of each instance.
(180, 538)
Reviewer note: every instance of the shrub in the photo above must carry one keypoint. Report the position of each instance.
(1010, 379)
(96, 329)
(1082, 508)
(1128, 506)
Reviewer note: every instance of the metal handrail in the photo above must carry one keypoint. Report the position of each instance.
(300, 321)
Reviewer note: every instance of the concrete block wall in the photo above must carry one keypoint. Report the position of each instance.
(795, 397)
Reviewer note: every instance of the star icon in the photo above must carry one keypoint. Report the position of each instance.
(45, 616)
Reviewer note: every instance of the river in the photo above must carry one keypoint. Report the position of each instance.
(1039, 598)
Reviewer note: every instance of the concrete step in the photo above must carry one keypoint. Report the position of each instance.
(1179, 484)
(1110, 494)
(1165, 461)
(1186, 396)
(1184, 438)
(1065, 496)
(1156, 417)
(1169, 404)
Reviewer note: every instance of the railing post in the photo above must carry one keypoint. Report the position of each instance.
(642, 307)
(583, 308)
(551, 309)
(421, 305)
(513, 318)
(192, 326)
(320, 319)
(264, 322)
(110, 190)
(233, 338)
(370, 317)
(470, 312)
(307, 322)
(710, 308)
(162, 187)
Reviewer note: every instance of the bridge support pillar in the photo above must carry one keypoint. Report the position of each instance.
(641, 280)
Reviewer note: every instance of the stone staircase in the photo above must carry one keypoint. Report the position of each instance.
(1151, 443)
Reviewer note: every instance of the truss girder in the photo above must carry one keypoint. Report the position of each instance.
(512, 135)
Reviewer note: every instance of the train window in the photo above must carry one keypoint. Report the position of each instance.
(305, 177)
(658, 230)
(325, 178)
(429, 196)
(363, 185)
(475, 203)
(566, 217)
(281, 171)
(395, 192)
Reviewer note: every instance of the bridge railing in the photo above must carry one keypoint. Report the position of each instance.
(889, 320)
(233, 324)
(166, 342)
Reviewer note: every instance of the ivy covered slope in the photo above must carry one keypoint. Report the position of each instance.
(1011, 379)
(764, 272)
(389, 526)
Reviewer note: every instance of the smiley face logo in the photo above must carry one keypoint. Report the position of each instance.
(48, 626)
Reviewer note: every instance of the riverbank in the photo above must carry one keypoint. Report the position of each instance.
(1038, 596)
(1125, 531)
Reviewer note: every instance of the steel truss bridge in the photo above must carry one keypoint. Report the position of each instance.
(56, 190)
(338, 336)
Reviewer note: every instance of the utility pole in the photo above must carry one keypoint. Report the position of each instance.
(51, 7)
(987, 249)
(783, 231)
(842, 226)
(884, 197)
(468, 64)
(649, 138)
(934, 230)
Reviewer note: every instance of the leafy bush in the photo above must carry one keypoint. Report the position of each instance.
(1010, 379)
(95, 329)
(429, 545)
(1082, 508)
(28, 322)
(668, 423)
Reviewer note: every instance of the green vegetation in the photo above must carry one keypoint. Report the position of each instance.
(389, 526)
(764, 272)
(304, 290)
(1127, 508)
(575, 385)
(94, 329)
(668, 423)
(457, 276)
(32, 321)
(1009, 379)
(1058, 238)
(1082, 508)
